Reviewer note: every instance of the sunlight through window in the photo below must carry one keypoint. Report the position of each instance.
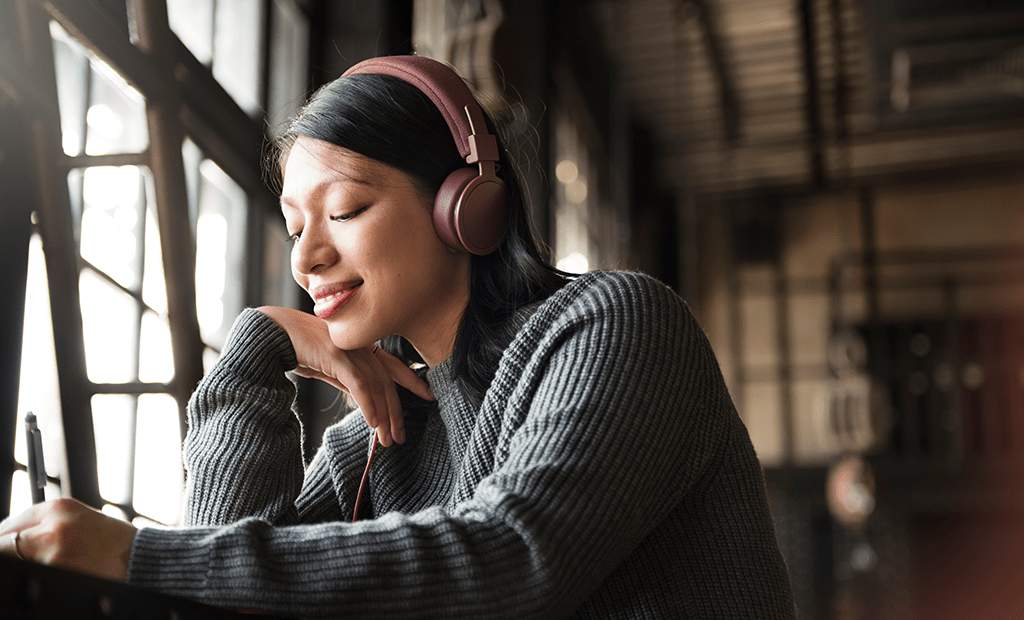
(158, 470)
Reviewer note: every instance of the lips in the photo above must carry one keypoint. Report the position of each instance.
(329, 299)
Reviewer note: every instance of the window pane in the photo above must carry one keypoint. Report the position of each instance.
(238, 38)
(112, 222)
(289, 48)
(113, 420)
(155, 357)
(109, 319)
(192, 21)
(72, 66)
(21, 497)
(38, 390)
(210, 359)
(113, 511)
(158, 470)
(192, 156)
(279, 288)
(116, 118)
(154, 288)
(220, 246)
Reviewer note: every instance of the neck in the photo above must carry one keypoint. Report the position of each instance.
(437, 342)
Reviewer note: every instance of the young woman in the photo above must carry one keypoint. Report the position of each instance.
(543, 446)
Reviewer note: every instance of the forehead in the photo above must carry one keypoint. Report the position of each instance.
(314, 161)
(315, 171)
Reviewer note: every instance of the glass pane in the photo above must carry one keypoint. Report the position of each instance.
(154, 288)
(109, 319)
(38, 390)
(20, 495)
(192, 157)
(158, 471)
(113, 511)
(111, 221)
(220, 246)
(210, 358)
(192, 21)
(279, 288)
(238, 38)
(113, 420)
(116, 118)
(72, 66)
(289, 48)
(156, 363)
(76, 187)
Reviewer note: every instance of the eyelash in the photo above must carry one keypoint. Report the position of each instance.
(334, 218)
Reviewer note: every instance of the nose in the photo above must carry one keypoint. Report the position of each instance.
(313, 251)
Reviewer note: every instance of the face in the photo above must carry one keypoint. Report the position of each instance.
(366, 251)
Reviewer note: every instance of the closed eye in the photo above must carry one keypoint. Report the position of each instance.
(347, 216)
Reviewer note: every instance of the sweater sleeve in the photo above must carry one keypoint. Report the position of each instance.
(617, 414)
(242, 453)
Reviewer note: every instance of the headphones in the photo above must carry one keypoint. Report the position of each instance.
(469, 209)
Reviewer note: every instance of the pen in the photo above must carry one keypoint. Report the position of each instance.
(36, 468)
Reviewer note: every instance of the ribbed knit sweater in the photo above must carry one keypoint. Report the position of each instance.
(605, 475)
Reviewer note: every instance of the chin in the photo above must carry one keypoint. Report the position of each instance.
(347, 338)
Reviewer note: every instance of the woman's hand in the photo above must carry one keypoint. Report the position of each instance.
(368, 377)
(69, 534)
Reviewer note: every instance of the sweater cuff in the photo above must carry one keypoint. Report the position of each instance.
(258, 348)
(173, 561)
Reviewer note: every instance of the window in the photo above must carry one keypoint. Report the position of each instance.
(225, 35)
(129, 370)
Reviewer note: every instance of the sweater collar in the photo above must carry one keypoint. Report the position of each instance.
(441, 378)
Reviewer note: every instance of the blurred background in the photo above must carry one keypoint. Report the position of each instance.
(836, 187)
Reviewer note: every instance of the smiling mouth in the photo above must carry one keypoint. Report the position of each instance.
(329, 305)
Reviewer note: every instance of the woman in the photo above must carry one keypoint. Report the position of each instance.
(582, 457)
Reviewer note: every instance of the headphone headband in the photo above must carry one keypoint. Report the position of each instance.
(439, 82)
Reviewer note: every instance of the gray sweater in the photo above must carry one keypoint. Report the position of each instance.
(606, 475)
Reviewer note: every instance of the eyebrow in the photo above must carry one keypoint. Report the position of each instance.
(337, 178)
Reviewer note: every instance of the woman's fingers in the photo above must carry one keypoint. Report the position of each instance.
(312, 373)
(368, 375)
(67, 533)
(21, 521)
(404, 376)
(397, 418)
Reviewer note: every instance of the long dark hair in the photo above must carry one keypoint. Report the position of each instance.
(388, 120)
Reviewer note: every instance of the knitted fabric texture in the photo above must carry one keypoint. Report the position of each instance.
(606, 475)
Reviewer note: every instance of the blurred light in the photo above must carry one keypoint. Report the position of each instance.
(577, 190)
(113, 511)
(574, 263)
(70, 141)
(106, 187)
(973, 375)
(566, 171)
(101, 118)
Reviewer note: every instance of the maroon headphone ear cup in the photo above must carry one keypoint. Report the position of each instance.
(469, 211)
(445, 204)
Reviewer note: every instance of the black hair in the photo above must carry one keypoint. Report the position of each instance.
(388, 120)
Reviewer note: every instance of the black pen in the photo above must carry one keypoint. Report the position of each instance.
(36, 468)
